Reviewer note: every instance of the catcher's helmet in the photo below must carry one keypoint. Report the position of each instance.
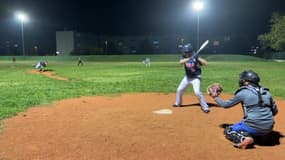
(187, 48)
(249, 76)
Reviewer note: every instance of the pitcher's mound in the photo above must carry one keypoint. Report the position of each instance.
(50, 74)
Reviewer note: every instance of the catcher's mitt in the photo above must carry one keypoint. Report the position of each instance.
(215, 89)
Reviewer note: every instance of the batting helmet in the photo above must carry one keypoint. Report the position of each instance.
(187, 48)
(249, 76)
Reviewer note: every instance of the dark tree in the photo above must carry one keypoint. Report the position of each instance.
(275, 39)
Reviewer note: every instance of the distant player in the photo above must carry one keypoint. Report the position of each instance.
(80, 62)
(13, 59)
(41, 65)
(192, 66)
(146, 62)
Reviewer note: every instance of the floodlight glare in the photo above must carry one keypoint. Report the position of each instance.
(198, 5)
(22, 17)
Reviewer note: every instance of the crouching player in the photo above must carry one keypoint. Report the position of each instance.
(259, 110)
(41, 65)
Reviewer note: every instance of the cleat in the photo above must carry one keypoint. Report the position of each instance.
(175, 105)
(206, 110)
(245, 143)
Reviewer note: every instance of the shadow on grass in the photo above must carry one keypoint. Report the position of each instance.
(48, 70)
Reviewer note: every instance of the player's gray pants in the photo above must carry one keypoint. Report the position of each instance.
(39, 66)
(196, 83)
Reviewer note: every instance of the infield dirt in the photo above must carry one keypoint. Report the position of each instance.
(124, 127)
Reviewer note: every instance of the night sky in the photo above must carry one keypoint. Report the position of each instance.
(135, 17)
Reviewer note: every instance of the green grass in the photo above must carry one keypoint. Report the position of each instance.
(20, 89)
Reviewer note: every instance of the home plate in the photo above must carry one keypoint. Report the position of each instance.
(163, 111)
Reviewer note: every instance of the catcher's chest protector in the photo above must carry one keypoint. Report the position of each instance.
(257, 91)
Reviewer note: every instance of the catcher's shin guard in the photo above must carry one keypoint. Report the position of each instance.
(229, 133)
(236, 136)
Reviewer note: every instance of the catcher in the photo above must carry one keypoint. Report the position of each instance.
(258, 106)
(192, 66)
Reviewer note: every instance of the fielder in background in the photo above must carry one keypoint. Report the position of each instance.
(40, 65)
(192, 66)
(258, 106)
(79, 62)
(146, 62)
(13, 59)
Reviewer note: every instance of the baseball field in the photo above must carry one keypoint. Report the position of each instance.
(111, 108)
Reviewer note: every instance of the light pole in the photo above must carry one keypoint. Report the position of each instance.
(198, 6)
(22, 17)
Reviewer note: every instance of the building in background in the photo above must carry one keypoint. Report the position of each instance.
(77, 43)
(65, 42)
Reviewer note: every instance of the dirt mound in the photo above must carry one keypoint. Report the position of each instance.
(127, 127)
(50, 74)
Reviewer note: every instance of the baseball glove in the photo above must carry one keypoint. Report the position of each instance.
(215, 89)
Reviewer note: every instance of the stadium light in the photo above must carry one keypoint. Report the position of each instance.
(23, 18)
(198, 6)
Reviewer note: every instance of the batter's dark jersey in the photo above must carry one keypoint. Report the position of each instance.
(192, 67)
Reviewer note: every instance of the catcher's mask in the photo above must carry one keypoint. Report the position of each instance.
(249, 76)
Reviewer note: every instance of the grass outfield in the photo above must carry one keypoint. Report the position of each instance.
(115, 75)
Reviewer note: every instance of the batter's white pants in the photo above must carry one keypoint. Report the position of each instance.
(196, 83)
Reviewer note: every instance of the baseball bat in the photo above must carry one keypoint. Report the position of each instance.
(201, 48)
